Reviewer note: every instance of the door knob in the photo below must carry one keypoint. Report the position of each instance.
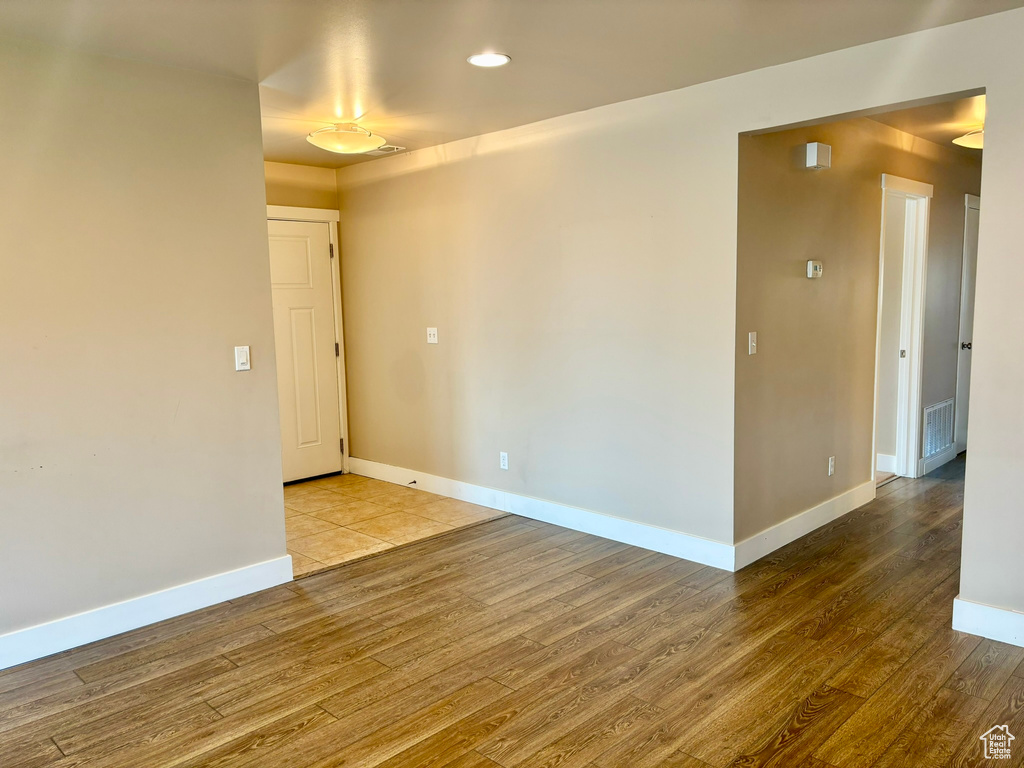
(965, 345)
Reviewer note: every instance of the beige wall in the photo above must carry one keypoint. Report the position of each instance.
(303, 186)
(133, 256)
(582, 271)
(569, 295)
(993, 517)
(808, 393)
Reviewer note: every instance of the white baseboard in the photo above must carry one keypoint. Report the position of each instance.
(934, 462)
(456, 489)
(714, 553)
(885, 462)
(767, 541)
(675, 543)
(61, 634)
(1000, 624)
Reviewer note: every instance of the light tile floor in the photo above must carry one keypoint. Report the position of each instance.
(342, 518)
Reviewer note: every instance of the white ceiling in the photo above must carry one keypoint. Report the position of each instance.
(940, 123)
(399, 66)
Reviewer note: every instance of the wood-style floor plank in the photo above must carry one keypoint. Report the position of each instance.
(803, 728)
(862, 739)
(930, 738)
(984, 672)
(1007, 708)
(519, 644)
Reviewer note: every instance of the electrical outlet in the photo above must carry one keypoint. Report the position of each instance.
(431, 335)
(831, 465)
(503, 460)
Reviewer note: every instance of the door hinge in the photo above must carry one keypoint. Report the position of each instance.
(337, 349)
(331, 246)
(342, 444)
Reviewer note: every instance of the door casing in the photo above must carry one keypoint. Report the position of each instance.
(915, 270)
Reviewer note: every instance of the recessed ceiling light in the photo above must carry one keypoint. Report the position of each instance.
(489, 59)
(346, 139)
(972, 139)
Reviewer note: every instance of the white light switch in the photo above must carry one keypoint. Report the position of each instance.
(242, 359)
(752, 343)
(431, 335)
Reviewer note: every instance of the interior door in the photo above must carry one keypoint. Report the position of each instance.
(963, 367)
(890, 341)
(307, 374)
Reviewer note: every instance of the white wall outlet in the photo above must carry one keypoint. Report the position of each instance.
(752, 343)
(503, 460)
(242, 361)
(831, 465)
(431, 335)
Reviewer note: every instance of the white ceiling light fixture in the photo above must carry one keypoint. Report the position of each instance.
(489, 59)
(972, 139)
(346, 139)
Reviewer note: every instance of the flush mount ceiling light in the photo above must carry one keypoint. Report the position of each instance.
(346, 139)
(489, 59)
(972, 139)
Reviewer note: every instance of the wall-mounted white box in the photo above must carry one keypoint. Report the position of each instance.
(819, 155)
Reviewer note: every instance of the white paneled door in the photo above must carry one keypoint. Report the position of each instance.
(307, 370)
(968, 274)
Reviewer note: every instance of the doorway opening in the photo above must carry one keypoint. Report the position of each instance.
(906, 206)
(331, 516)
(927, 262)
(850, 251)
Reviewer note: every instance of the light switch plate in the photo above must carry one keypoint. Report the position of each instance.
(431, 335)
(242, 361)
(752, 343)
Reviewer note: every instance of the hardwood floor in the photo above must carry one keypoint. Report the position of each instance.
(515, 643)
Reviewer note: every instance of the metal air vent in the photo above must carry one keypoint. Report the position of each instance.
(387, 149)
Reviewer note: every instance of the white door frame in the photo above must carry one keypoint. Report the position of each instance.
(331, 218)
(915, 271)
(970, 202)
